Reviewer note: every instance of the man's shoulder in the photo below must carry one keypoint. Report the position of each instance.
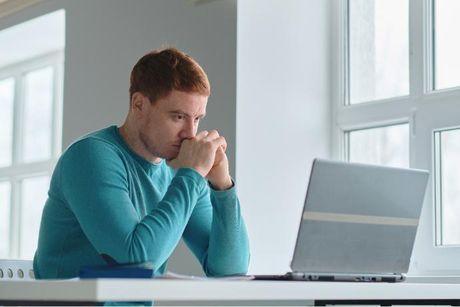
(101, 142)
(107, 135)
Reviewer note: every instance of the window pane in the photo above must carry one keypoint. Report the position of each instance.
(6, 121)
(34, 192)
(385, 146)
(449, 183)
(33, 38)
(378, 49)
(5, 205)
(38, 115)
(447, 44)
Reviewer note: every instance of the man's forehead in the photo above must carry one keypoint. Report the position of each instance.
(191, 104)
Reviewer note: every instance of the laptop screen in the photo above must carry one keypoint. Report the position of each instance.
(359, 218)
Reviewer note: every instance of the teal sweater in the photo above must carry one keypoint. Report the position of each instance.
(106, 199)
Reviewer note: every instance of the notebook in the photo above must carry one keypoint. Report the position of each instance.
(358, 223)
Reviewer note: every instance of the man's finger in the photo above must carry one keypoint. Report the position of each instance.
(212, 135)
(219, 142)
(224, 146)
(220, 154)
(202, 134)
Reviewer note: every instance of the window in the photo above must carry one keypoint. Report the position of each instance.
(33, 197)
(446, 44)
(5, 197)
(30, 127)
(6, 121)
(379, 49)
(447, 195)
(383, 145)
(397, 104)
(38, 107)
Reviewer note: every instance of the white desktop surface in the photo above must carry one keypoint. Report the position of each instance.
(220, 290)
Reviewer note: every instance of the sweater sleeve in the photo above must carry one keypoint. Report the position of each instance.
(95, 186)
(217, 235)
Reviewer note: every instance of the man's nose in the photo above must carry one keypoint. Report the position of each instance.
(188, 131)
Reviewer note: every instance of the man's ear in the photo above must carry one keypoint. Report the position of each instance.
(138, 102)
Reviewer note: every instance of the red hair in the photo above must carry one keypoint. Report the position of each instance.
(159, 72)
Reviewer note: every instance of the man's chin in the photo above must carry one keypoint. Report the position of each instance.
(171, 156)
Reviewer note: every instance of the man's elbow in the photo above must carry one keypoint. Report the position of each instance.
(235, 268)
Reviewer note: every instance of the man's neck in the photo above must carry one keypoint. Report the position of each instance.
(131, 137)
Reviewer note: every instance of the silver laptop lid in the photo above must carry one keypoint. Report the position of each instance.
(359, 218)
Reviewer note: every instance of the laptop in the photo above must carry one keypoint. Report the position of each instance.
(358, 223)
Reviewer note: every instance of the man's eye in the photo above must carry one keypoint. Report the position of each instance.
(179, 117)
(197, 120)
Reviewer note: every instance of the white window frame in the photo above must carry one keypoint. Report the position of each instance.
(18, 170)
(424, 109)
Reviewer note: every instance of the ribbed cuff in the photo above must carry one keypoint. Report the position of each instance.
(221, 196)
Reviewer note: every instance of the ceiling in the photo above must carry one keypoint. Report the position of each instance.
(8, 7)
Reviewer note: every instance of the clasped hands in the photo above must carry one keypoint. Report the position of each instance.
(205, 153)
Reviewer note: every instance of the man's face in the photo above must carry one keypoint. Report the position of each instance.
(169, 121)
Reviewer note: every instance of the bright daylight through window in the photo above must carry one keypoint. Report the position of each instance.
(384, 145)
(378, 68)
(31, 77)
(398, 93)
(378, 49)
(447, 150)
(447, 44)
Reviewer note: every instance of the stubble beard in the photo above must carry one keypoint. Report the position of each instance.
(150, 147)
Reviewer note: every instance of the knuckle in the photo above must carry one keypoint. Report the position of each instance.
(211, 134)
(202, 141)
(209, 145)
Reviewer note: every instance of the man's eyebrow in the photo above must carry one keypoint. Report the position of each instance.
(177, 111)
(184, 113)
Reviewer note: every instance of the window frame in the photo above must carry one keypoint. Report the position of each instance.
(425, 109)
(18, 170)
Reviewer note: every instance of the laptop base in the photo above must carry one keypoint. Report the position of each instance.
(297, 276)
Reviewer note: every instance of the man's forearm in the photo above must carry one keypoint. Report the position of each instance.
(228, 252)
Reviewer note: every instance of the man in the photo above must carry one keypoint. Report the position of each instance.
(129, 194)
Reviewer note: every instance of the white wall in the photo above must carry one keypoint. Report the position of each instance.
(283, 118)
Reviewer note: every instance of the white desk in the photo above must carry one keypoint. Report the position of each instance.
(186, 292)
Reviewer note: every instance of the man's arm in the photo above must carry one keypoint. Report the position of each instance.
(95, 186)
(217, 235)
(216, 232)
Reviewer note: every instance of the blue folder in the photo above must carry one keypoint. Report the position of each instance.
(115, 270)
